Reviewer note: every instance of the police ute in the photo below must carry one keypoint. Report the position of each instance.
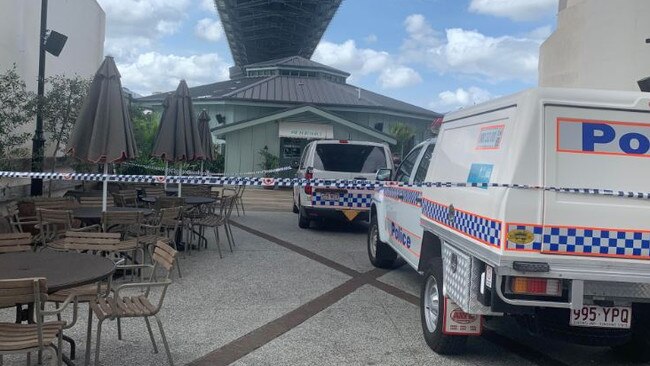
(533, 206)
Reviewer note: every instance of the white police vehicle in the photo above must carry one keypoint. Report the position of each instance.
(543, 213)
(337, 159)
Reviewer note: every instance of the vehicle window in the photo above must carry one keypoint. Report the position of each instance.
(303, 158)
(349, 158)
(405, 169)
(421, 173)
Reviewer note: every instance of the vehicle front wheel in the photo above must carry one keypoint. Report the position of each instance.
(432, 312)
(381, 255)
(295, 208)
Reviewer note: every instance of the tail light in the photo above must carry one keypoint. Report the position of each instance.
(343, 141)
(536, 286)
(309, 174)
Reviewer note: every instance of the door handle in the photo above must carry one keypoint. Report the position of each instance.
(418, 200)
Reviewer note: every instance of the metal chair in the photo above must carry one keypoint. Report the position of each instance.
(215, 221)
(18, 223)
(126, 198)
(15, 242)
(53, 224)
(239, 199)
(138, 306)
(39, 336)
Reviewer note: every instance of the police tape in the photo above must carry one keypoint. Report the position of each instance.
(205, 172)
(291, 182)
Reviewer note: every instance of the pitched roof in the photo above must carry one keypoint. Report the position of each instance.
(296, 62)
(283, 89)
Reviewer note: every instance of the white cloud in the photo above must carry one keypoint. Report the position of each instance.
(518, 10)
(207, 5)
(209, 29)
(366, 61)
(450, 100)
(154, 72)
(398, 77)
(473, 53)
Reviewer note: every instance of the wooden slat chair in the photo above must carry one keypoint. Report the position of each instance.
(170, 222)
(126, 198)
(40, 336)
(196, 190)
(55, 203)
(239, 199)
(215, 221)
(137, 306)
(94, 202)
(154, 192)
(53, 225)
(15, 242)
(19, 223)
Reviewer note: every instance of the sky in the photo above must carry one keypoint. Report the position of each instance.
(438, 54)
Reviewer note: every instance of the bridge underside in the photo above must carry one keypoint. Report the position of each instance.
(262, 30)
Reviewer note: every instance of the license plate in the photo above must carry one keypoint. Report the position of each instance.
(329, 196)
(601, 317)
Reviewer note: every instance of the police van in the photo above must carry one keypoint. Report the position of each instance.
(534, 206)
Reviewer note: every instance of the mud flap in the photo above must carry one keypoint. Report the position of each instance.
(458, 322)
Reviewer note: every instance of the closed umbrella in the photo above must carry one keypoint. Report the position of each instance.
(206, 136)
(103, 132)
(178, 137)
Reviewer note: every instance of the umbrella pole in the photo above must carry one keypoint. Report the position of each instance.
(105, 188)
(180, 173)
(166, 172)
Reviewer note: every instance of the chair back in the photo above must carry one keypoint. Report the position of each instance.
(196, 190)
(23, 291)
(57, 218)
(126, 198)
(170, 217)
(15, 242)
(13, 213)
(81, 241)
(61, 203)
(94, 202)
(164, 256)
(168, 202)
(154, 192)
(123, 222)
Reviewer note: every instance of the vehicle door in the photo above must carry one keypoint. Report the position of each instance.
(301, 172)
(399, 201)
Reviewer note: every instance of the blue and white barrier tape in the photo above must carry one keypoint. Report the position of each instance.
(290, 182)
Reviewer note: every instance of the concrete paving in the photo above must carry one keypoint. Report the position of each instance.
(289, 296)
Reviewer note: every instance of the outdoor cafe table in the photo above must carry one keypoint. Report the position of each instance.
(189, 200)
(62, 270)
(94, 214)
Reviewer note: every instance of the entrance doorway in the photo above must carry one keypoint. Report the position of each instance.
(290, 152)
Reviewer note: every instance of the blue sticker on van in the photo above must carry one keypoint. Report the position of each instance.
(480, 173)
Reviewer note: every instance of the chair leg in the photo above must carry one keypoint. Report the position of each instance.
(59, 350)
(232, 237)
(2, 362)
(241, 202)
(119, 329)
(225, 229)
(216, 234)
(164, 338)
(98, 343)
(88, 335)
(153, 341)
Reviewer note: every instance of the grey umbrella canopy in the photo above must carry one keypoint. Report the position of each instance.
(103, 132)
(178, 136)
(206, 135)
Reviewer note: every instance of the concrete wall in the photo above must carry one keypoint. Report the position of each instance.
(83, 21)
(598, 44)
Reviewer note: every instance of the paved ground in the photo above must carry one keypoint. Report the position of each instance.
(288, 296)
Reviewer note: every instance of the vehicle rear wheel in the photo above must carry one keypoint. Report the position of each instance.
(303, 219)
(638, 347)
(432, 312)
(381, 255)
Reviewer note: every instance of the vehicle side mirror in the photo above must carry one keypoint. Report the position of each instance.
(383, 174)
(295, 164)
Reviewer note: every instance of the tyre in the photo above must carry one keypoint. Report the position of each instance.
(381, 255)
(637, 349)
(303, 219)
(295, 208)
(432, 313)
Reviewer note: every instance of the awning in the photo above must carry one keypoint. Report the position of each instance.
(306, 130)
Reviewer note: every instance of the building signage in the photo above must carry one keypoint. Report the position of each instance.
(306, 130)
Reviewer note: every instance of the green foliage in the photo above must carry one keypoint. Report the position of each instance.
(402, 134)
(17, 108)
(269, 161)
(61, 107)
(145, 127)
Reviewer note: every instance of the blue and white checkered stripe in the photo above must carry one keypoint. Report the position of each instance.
(407, 195)
(346, 200)
(585, 241)
(485, 230)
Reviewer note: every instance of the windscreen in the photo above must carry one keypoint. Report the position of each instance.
(349, 158)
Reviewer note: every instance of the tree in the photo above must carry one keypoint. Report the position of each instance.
(17, 108)
(402, 134)
(61, 107)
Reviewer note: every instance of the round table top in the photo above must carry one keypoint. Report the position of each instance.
(95, 213)
(61, 269)
(189, 200)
